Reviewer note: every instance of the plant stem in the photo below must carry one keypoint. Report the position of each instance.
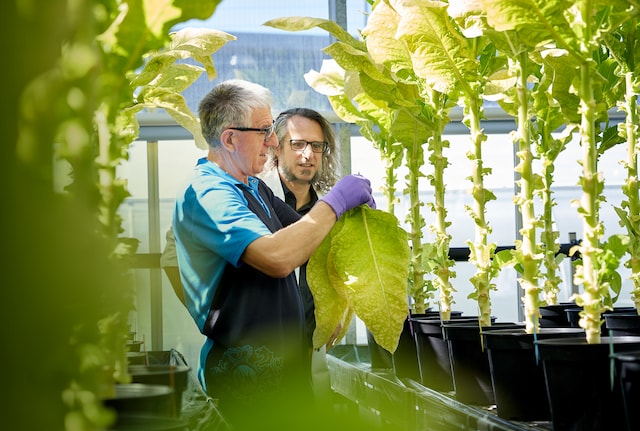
(442, 262)
(389, 181)
(481, 251)
(591, 298)
(416, 277)
(631, 188)
(528, 247)
(549, 236)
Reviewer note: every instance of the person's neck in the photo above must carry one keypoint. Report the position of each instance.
(300, 189)
(226, 166)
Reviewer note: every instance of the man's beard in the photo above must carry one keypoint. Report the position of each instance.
(288, 175)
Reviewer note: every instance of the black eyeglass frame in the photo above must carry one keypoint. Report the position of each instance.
(325, 145)
(268, 131)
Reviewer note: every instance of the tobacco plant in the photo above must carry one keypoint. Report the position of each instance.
(568, 42)
(560, 45)
(525, 103)
(410, 53)
(548, 118)
(115, 58)
(454, 59)
(527, 252)
(597, 272)
(624, 46)
(372, 92)
(437, 253)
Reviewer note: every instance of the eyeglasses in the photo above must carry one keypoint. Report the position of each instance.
(301, 145)
(268, 131)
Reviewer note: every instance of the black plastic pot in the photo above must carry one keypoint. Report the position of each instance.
(138, 398)
(573, 317)
(619, 324)
(136, 358)
(581, 394)
(470, 361)
(555, 315)
(517, 374)
(173, 376)
(138, 422)
(134, 346)
(433, 351)
(380, 357)
(405, 358)
(404, 361)
(628, 372)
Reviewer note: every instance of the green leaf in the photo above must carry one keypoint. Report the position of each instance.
(382, 43)
(300, 23)
(161, 15)
(345, 109)
(370, 255)
(330, 304)
(610, 138)
(176, 77)
(176, 106)
(438, 52)
(326, 82)
(350, 58)
(199, 44)
(537, 21)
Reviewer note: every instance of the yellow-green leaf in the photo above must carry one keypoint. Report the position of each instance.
(366, 263)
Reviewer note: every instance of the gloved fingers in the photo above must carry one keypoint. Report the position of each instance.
(371, 202)
(350, 192)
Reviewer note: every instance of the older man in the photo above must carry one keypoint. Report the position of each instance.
(238, 246)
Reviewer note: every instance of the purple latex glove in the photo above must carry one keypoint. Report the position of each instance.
(350, 192)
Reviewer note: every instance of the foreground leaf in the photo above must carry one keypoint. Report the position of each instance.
(330, 306)
(365, 268)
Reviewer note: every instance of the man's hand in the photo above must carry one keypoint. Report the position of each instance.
(350, 192)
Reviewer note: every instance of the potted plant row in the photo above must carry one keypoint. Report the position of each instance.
(551, 66)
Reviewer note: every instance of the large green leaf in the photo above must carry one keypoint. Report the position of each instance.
(300, 23)
(162, 80)
(176, 77)
(198, 44)
(381, 39)
(350, 58)
(330, 304)
(537, 21)
(365, 261)
(330, 81)
(438, 52)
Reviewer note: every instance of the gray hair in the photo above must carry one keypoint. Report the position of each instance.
(230, 103)
(330, 172)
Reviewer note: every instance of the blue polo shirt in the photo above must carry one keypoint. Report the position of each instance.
(243, 312)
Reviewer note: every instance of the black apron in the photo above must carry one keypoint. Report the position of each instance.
(257, 324)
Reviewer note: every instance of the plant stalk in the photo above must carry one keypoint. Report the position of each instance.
(443, 264)
(528, 246)
(481, 251)
(414, 157)
(591, 298)
(631, 188)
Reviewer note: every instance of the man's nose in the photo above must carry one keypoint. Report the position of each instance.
(307, 151)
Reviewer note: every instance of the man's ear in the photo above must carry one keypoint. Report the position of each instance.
(227, 138)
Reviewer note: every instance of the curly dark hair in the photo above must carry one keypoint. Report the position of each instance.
(330, 172)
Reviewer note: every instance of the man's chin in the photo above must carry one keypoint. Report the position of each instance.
(306, 175)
